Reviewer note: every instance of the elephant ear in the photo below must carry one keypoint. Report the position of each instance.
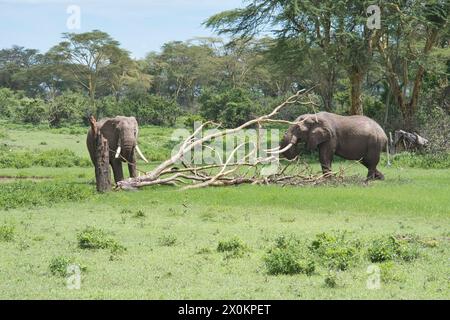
(318, 135)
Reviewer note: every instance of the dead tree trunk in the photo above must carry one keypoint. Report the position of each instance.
(102, 174)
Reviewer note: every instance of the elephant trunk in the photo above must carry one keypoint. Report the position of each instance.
(287, 146)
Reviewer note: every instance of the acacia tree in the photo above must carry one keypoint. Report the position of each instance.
(410, 32)
(90, 57)
(335, 30)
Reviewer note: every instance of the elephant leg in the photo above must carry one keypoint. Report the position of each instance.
(117, 170)
(326, 153)
(371, 162)
(132, 166)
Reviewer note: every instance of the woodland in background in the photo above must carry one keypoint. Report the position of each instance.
(398, 75)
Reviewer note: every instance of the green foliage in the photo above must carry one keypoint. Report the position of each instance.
(383, 249)
(231, 108)
(289, 257)
(32, 111)
(331, 280)
(45, 193)
(6, 232)
(53, 158)
(389, 248)
(9, 101)
(96, 238)
(68, 108)
(233, 248)
(58, 266)
(152, 109)
(168, 240)
(335, 250)
(191, 119)
(423, 161)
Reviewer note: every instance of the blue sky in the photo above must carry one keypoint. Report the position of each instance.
(140, 26)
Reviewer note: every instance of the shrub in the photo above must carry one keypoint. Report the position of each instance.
(288, 257)
(58, 266)
(6, 233)
(423, 161)
(152, 109)
(389, 248)
(67, 108)
(9, 101)
(335, 250)
(288, 261)
(232, 108)
(190, 120)
(388, 272)
(32, 111)
(234, 248)
(383, 249)
(94, 238)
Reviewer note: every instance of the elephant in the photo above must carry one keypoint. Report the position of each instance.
(350, 137)
(122, 135)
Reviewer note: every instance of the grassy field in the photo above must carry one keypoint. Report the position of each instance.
(247, 242)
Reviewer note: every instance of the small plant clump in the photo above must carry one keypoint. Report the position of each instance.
(168, 240)
(335, 250)
(6, 233)
(94, 238)
(59, 266)
(233, 248)
(389, 248)
(288, 257)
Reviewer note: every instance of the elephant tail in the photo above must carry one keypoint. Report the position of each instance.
(386, 148)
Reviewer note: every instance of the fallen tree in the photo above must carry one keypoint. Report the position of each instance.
(251, 168)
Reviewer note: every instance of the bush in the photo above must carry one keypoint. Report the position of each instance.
(335, 250)
(94, 238)
(68, 108)
(32, 111)
(232, 108)
(288, 257)
(9, 101)
(190, 120)
(6, 233)
(234, 248)
(389, 248)
(422, 161)
(58, 266)
(151, 109)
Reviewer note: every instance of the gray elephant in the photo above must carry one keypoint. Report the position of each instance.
(350, 137)
(122, 136)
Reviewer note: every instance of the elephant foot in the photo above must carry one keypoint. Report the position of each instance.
(376, 175)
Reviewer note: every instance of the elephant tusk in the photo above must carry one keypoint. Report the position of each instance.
(140, 154)
(272, 150)
(119, 149)
(283, 150)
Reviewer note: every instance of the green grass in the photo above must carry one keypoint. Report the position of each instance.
(214, 243)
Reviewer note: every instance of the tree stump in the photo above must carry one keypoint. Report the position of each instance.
(102, 174)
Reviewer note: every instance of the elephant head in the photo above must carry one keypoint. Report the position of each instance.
(309, 128)
(125, 135)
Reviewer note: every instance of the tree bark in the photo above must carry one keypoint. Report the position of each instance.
(356, 78)
(102, 174)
